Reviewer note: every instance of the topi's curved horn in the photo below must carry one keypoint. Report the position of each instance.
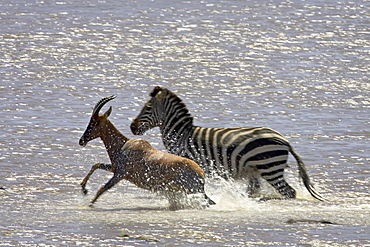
(101, 103)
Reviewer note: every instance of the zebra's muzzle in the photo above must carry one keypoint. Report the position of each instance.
(138, 128)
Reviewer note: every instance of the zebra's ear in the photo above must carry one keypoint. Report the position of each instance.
(155, 91)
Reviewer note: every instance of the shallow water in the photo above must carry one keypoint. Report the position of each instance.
(299, 67)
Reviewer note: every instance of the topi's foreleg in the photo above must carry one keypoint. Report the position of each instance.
(107, 167)
(114, 180)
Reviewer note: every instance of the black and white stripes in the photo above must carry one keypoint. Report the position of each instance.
(230, 152)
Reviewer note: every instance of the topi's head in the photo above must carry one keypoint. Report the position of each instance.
(97, 122)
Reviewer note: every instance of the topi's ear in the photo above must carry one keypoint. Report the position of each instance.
(155, 91)
(108, 112)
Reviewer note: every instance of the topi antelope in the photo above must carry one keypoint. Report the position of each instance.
(138, 162)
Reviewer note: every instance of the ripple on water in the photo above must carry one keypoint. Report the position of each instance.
(297, 67)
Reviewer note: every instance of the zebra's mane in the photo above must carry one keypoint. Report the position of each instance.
(155, 91)
(169, 94)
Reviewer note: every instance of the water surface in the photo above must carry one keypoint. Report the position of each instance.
(299, 67)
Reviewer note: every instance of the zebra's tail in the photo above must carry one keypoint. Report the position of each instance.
(303, 174)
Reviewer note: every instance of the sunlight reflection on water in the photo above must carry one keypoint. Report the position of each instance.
(298, 67)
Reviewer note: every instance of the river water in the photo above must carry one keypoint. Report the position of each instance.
(299, 67)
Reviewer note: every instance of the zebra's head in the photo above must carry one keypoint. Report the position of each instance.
(152, 113)
(164, 110)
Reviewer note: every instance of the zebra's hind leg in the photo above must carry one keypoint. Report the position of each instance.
(254, 187)
(253, 180)
(285, 189)
(279, 183)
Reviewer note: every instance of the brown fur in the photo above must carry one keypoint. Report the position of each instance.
(145, 163)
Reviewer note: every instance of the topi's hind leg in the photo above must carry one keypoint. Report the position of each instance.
(193, 183)
(107, 167)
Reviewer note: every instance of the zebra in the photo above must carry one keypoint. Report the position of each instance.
(238, 152)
